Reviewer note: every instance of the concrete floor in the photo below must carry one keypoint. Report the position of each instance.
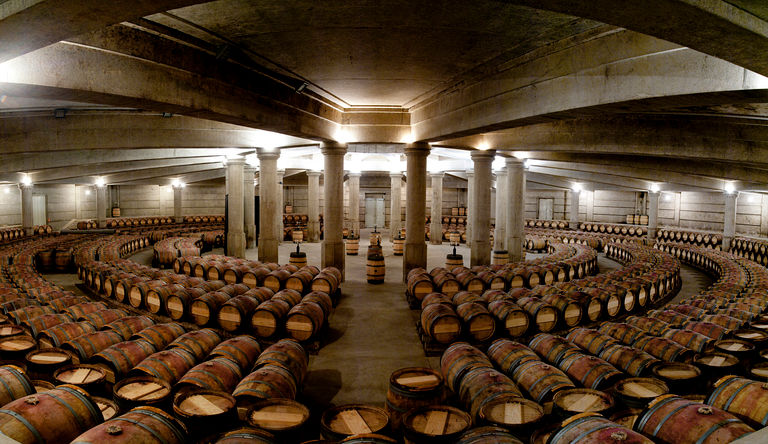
(372, 332)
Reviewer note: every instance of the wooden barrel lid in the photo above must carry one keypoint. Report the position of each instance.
(511, 412)
(583, 400)
(10, 330)
(277, 415)
(204, 403)
(546, 318)
(369, 438)
(49, 357)
(759, 371)
(42, 386)
(17, 344)
(299, 326)
(751, 335)
(446, 328)
(355, 419)
(716, 359)
(760, 325)
(641, 388)
(436, 420)
(109, 408)
(416, 379)
(142, 389)
(734, 346)
(676, 371)
(229, 318)
(80, 374)
(626, 418)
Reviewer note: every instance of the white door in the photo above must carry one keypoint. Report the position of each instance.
(374, 212)
(546, 208)
(39, 213)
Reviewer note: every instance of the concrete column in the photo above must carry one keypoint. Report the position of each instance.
(280, 206)
(678, 205)
(653, 214)
(249, 216)
(500, 233)
(313, 205)
(729, 221)
(332, 249)
(415, 206)
(235, 232)
(436, 225)
(353, 184)
(590, 195)
(396, 207)
(515, 208)
(101, 206)
(177, 204)
(268, 240)
(480, 250)
(470, 205)
(26, 208)
(574, 208)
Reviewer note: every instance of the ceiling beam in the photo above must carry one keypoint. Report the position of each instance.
(111, 169)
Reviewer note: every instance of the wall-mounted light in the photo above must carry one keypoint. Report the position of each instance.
(667, 198)
(176, 183)
(7, 190)
(527, 164)
(87, 192)
(655, 188)
(26, 180)
(576, 187)
(729, 188)
(99, 182)
(483, 146)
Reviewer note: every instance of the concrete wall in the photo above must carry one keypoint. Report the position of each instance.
(10, 205)
(155, 200)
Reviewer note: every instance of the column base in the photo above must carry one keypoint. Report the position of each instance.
(268, 250)
(236, 244)
(415, 256)
(250, 236)
(332, 255)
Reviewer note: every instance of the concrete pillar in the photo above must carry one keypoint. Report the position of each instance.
(313, 205)
(436, 224)
(729, 221)
(249, 216)
(280, 206)
(101, 206)
(574, 209)
(177, 204)
(470, 205)
(268, 241)
(415, 206)
(653, 214)
(500, 233)
(590, 195)
(26, 208)
(332, 249)
(235, 232)
(515, 208)
(396, 206)
(480, 250)
(353, 185)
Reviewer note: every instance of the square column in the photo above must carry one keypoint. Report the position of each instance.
(470, 204)
(332, 248)
(268, 241)
(515, 207)
(313, 206)
(249, 217)
(436, 226)
(729, 220)
(574, 208)
(500, 233)
(396, 207)
(480, 250)
(26, 208)
(415, 207)
(280, 206)
(653, 214)
(353, 186)
(235, 232)
(101, 206)
(177, 204)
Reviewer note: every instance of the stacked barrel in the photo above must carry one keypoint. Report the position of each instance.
(546, 223)
(167, 250)
(618, 229)
(298, 223)
(753, 249)
(695, 238)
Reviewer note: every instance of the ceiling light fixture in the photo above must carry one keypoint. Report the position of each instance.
(729, 188)
(655, 187)
(576, 187)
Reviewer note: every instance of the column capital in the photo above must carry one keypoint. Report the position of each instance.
(396, 175)
(501, 173)
(249, 169)
(417, 149)
(732, 195)
(512, 162)
(314, 173)
(439, 175)
(654, 193)
(266, 154)
(470, 173)
(236, 161)
(281, 173)
(333, 148)
(354, 174)
(483, 154)
(24, 186)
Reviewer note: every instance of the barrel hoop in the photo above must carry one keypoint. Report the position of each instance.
(7, 387)
(80, 424)
(152, 370)
(736, 392)
(268, 384)
(394, 407)
(186, 358)
(558, 436)
(230, 354)
(145, 427)
(667, 416)
(594, 429)
(589, 346)
(113, 359)
(544, 393)
(714, 428)
(214, 377)
(644, 419)
(26, 424)
(610, 355)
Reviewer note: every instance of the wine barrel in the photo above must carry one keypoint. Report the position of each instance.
(160, 335)
(219, 373)
(434, 424)
(142, 391)
(157, 297)
(87, 345)
(375, 269)
(552, 348)
(266, 382)
(88, 377)
(594, 428)
(590, 371)
(441, 323)
(590, 340)
(122, 357)
(479, 322)
(664, 349)
(638, 392)
(130, 325)
(197, 342)
(481, 385)
(570, 402)
(412, 387)
(304, 320)
(242, 350)
(509, 354)
(541, 381)
(338, 423)
(14, 384)
(288, 354)
(544, 316)
(142, 424)
(630, 360)
(742, 397)
(680, 378)
(44, 322)
(513, 318)
(352, 246)
(57, 335)
(283, 418)
(420, 285)
(103, 317)
(168, 365)
(268, 317)
(42, 363)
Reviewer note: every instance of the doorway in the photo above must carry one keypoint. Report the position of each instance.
(374, 210)
(546, 208)
(39, 210)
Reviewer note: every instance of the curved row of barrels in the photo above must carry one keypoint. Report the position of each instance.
(753, 249)
(11, 234)
(545, 223)
(622, 229)
(107, 248)
(121, 222)
(698, 238)
(593, 239)
(167, 250)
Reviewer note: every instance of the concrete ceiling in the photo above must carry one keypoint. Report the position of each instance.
(577, 86)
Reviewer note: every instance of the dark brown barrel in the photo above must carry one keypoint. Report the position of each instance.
(275, 280)
(434, 424)
(703, 423)
(630, 360)
(103, 317)
(268, 317)
(177, 305)
(142, 424)
(42, 363)
(487, 435)
(168, 365)
(288, 354)
(304, 320)
(540, 380)
(44, 322)
(249, 435)
(625, 333)
(87, 345)
(88, 377)
(441, 323)
(160, 335)
(509, 354)
(218, 373)
(412, 387)
(690, 339)
(552, 348)
(513, 318)
(420, 285)
(55, 416)
(544, 316)
(681, 378)
(594, 428)
(664, 349)
(590, 340)
(446, 283)
(744, 398)
(569, 402)
(715, 365)
(327, 281)
(157, 297)
(254, 277)
(62, 333)
(590, 371)
(236, 312)
(300, 281)
(142, 390)
(28, 313)
(14, 384)
(124, 356)
(203, 309)
(242, 350)
(571, 311)
(457, 360)
(636, 393)
(130, 325)
(479, 322)
(650, 325)
(375, 269)
(481, 385)
(266, 382)
(205, 412)
(198, 342)
(338, 423)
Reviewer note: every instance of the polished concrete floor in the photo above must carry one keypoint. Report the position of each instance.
(372, 332)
